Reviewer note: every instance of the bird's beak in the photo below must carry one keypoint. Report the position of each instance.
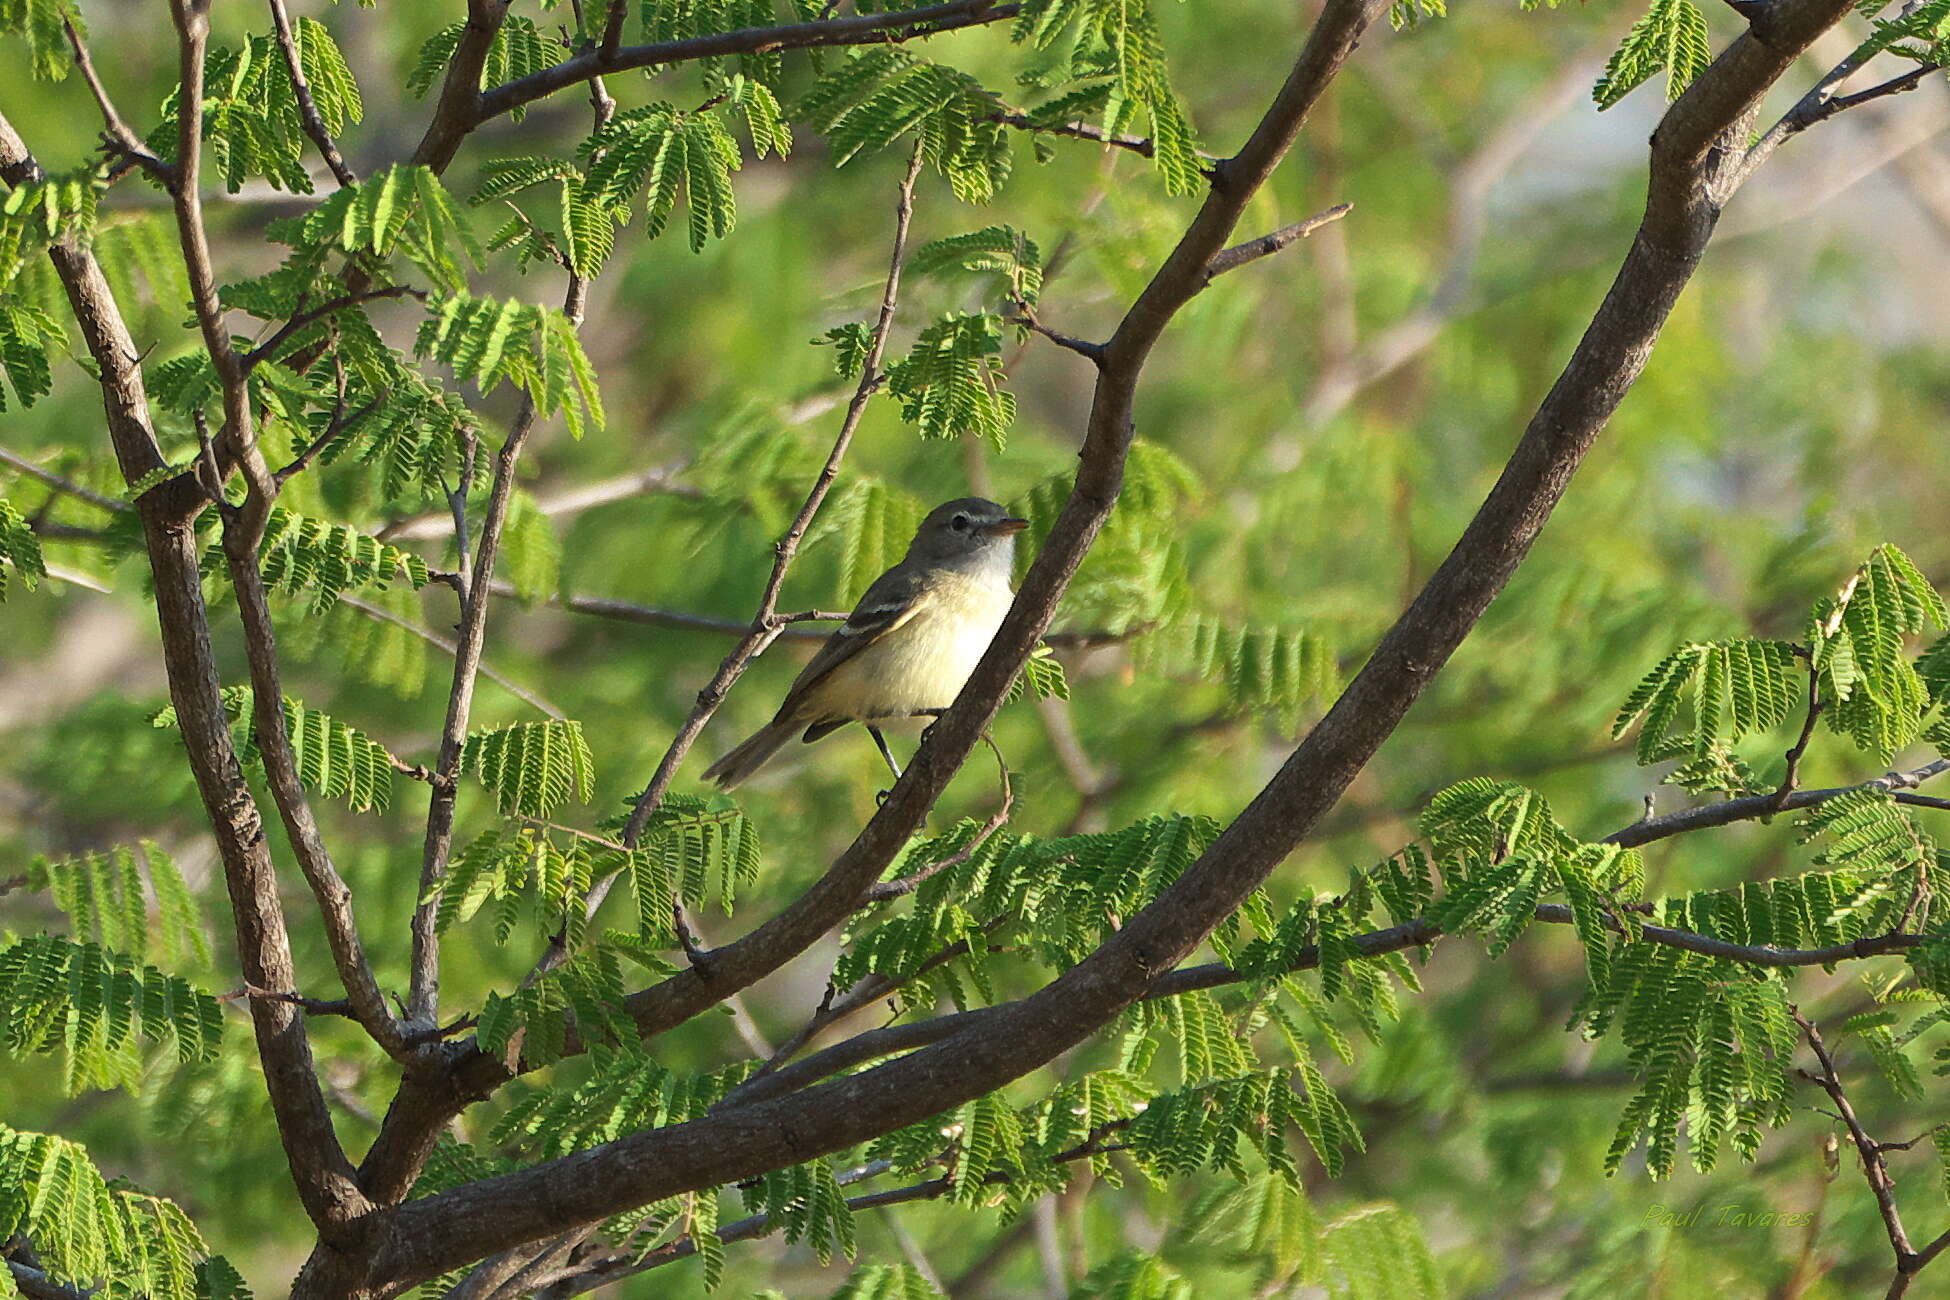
(1006, 527)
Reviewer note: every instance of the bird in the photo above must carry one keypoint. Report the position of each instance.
(910, 644)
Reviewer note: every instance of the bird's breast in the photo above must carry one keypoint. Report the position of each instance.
(924, 663)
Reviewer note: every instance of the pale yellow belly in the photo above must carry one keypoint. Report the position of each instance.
(921, 665)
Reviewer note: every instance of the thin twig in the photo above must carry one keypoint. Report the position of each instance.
(765, 626)
(888, 889)
(307, 106)
(1229, 259)
(63, 485)
(263, 351)
(117, 135)
(423, 996)
(1874, 1167)
(604, 1270)
(1078, 131)
(1800, 746)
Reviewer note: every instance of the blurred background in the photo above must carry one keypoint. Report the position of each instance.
(1338, 412)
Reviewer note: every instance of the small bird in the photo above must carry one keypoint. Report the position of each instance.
(909, 645)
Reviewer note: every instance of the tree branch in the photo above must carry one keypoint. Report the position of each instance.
(264, 351)
(308, 107)
(1875, 1167)
(590, 1274)
(424, 1234)
(324, 1179)
(1252, 250)
(765, 624)
(117, 135)
(1077, 131)
(1821, 103)
(857, 29)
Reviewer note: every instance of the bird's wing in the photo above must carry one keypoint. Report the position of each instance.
(891, 601)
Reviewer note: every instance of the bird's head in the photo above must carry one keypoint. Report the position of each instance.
(970, 530)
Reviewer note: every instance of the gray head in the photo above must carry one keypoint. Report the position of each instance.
(971, 533)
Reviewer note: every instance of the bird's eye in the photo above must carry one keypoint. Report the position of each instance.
(959, 523)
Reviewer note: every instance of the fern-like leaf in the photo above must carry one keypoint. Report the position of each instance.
(533, 768)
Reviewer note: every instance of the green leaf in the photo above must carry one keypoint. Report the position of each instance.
(27, 336)
(90, 1233)
(41, 22)
(332, 758)
(519, 49)
(1672, 38)
(403, 210)
(20, 550)
(999, 251)
(488, 340)
(532, 767)
(94, 1005)
(660, 150)
(877, 96)
(950, 382)
(1117, 44)
(299, 554)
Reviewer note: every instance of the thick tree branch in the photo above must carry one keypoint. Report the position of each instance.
(1694, 166)
(425, 1233)
(323, 1176)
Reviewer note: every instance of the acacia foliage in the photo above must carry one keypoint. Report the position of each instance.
(1246, 1081)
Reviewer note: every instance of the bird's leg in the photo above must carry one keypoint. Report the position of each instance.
(885, 752)
(929, 713)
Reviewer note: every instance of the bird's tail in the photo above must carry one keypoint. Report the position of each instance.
(752, 755)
